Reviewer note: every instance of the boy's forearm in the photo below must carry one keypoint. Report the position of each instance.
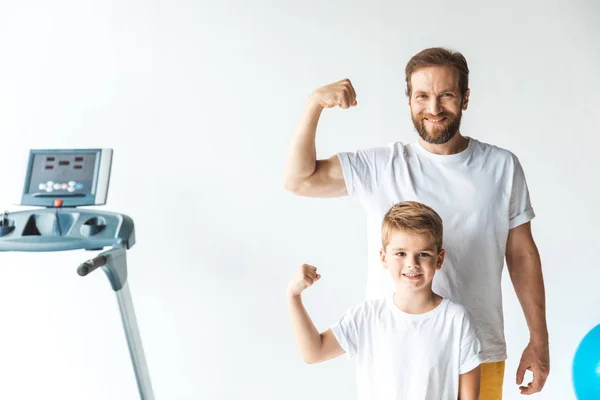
(301, 160)
(308, 338)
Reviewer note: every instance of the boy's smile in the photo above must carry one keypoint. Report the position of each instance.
(411, 259)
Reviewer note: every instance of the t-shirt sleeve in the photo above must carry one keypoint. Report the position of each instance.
(471, 353)
(347, 330)
(521, 210)
(364, 169)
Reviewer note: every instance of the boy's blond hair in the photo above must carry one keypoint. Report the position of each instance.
(412, 217)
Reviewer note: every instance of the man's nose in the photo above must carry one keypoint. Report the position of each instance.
(435, 106)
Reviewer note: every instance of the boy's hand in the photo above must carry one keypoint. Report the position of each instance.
(304, 278)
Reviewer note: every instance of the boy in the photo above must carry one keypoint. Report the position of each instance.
(413, 345)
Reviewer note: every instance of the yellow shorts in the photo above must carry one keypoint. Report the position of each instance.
(492, 379)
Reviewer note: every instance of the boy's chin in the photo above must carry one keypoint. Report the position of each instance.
(412, 283)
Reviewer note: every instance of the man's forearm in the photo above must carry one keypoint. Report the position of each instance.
(308, 338)
(525, 271)
(301, 160)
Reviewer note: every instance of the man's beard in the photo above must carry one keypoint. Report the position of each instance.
(439, 135)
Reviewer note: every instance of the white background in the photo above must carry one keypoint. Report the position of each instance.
(199, 100)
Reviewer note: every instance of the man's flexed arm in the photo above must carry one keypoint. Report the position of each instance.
(304, 174)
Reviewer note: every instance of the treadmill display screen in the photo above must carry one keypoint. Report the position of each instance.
(62, 174)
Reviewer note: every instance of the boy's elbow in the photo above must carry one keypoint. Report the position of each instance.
(314, 356)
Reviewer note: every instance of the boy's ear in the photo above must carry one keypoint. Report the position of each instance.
(440, 259)
(382, 257)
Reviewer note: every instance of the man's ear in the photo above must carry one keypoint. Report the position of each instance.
(465, 100)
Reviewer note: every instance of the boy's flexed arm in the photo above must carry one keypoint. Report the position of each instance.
(314, 347)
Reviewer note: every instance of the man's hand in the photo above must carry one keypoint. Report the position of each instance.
(339, 94)
(303, 279)
(535, 358)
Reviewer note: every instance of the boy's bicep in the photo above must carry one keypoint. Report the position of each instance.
(330, 347)
(469, 384)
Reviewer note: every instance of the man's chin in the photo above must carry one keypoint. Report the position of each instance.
(436, 137)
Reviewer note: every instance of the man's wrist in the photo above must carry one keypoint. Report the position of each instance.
(539, 338)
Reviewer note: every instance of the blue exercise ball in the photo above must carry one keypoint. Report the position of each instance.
(586, 367)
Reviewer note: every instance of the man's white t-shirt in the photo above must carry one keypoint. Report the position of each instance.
(401, 356)
(480, 193)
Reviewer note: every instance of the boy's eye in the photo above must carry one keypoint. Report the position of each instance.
(423, 255)
(401, 254)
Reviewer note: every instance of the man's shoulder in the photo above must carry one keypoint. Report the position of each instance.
(390, 149)
(487, 149)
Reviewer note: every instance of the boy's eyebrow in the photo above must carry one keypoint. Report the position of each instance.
(403, 249)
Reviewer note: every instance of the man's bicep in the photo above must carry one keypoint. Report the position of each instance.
(520, 209)
(326, 181)
(330, 347)
(520, 242)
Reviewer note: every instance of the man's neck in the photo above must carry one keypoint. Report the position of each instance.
(453, 146)
(416, 302)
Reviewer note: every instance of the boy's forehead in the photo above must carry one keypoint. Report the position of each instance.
(407, 240)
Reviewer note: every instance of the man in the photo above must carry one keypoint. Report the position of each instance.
(479, 190)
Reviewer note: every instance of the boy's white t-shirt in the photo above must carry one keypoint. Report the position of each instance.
(480, 194)
(401, 356)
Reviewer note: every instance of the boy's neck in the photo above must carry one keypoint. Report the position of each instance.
(416, 302)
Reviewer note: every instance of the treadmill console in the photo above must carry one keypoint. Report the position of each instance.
(67, 178)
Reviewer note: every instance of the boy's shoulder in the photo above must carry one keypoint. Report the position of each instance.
(368, 308)
(382, 308)
(371, 305)
(454, 308)
(458, 313)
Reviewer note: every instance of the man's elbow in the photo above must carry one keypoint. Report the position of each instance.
(295, 186)
(290, 186)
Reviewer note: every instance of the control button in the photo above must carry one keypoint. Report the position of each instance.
(72, 183)
(71, 189)
(58, 202)
(42, 186)
(64, 186)
(79, 186)
(49, 189)
(50, 183)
